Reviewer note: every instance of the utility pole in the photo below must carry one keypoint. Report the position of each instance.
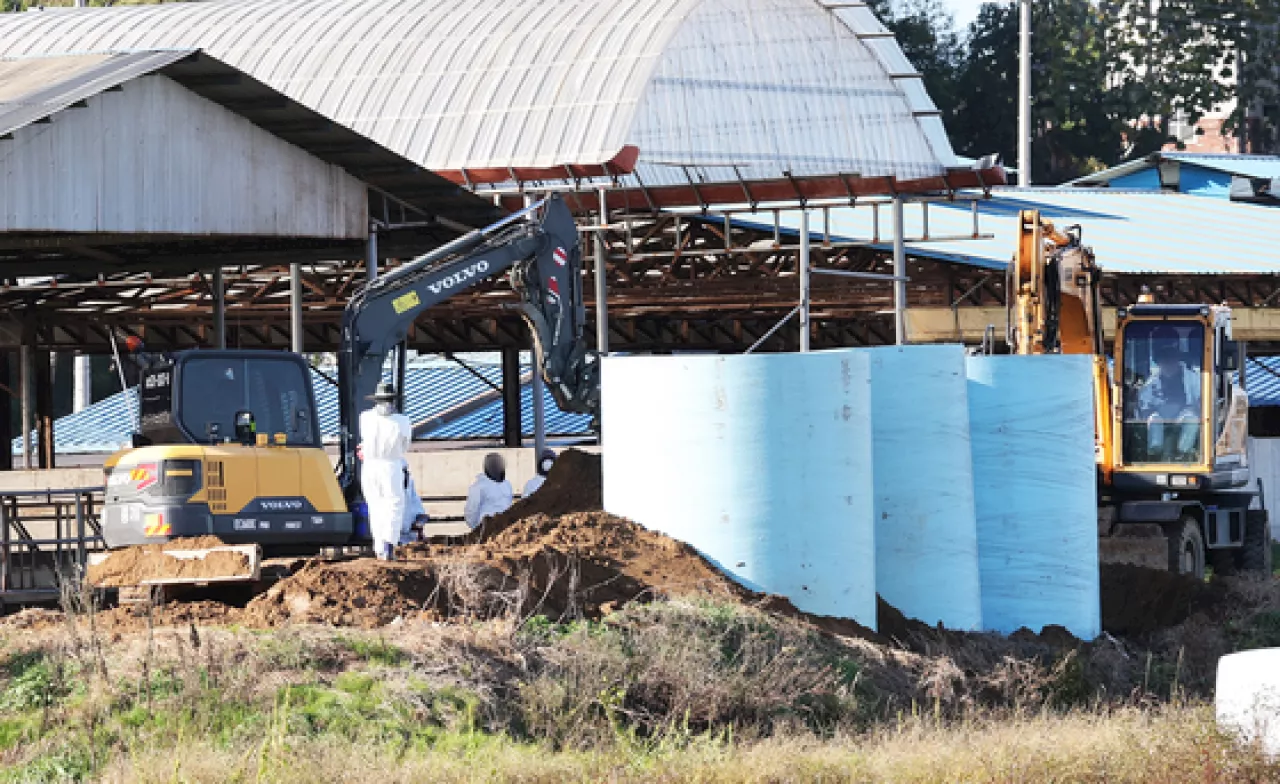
(1024, 96)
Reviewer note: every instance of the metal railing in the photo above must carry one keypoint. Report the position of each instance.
(46, 536)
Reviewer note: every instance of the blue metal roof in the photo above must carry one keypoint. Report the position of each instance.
(1202, 174)
(431, 388)
(1132, 232)
(1262, 379)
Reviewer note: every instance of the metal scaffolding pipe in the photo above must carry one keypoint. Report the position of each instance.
(1024, 95)
(295, 307)
(371, 255)
(804, 281)
(602, 305)
(899, 273)
(219, 309)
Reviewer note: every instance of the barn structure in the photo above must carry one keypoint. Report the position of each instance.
(688, 134)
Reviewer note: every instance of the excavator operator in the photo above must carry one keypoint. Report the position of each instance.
(1170, 399)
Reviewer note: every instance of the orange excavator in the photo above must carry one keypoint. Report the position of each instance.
(1171, 413)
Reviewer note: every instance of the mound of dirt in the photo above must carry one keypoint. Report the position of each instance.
(133, 565)
(574, 484)
(136, 617)
(364, 593)
(1138, 601)
(585, 563)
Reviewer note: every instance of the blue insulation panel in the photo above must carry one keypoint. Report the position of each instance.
(1032, 428)
(761, 463)
(926, 532)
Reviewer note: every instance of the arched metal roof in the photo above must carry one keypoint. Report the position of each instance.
(707, 89)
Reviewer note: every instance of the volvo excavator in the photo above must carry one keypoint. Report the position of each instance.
(229, 442)
(1171, 412)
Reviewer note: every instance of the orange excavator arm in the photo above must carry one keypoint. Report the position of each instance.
(1052, 295)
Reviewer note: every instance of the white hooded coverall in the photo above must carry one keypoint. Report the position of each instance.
(384, 439)
(486, 498)
(532, 485)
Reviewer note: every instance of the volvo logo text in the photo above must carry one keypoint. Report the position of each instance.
(479, 268)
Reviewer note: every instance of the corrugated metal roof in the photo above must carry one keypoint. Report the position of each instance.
(1131, 232)
(431, 388)
(33, 88)
(1262, 378)
(1259, 166)
(768, 86)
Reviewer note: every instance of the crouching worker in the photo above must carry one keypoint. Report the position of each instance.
(545, 461)
(384, 439)
(490, 494)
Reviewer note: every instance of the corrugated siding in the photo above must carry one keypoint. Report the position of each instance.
(1131, 232)
(154, 157)
(430, 390)
(455, 84)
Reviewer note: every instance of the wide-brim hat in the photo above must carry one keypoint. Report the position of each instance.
(384, 393)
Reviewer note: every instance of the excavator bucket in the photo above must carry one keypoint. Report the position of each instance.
(1140, 545)
(152, 565)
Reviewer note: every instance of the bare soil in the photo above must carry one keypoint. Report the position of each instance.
(133, 565)
(1137, 602)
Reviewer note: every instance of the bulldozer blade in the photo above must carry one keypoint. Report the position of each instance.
(1140, 545)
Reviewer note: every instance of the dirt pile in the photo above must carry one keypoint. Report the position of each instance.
(133, 565)
(1138, 601)
(574, 484)
(586, 563)
(364, 593)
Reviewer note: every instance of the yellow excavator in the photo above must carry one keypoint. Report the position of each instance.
(1171, 413)
(229, 442)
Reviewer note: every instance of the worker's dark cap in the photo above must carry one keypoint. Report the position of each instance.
(385, 392)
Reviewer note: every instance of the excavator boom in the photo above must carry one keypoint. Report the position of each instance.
(540, 246)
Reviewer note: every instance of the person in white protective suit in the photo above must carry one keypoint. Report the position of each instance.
(545, 461)
(490, 494)
(384, 438)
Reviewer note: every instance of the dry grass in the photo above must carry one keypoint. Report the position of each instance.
(1176, 744)
(670, 691)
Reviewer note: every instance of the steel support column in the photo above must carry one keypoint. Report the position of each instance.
(371, 255)
(803, 270)
(27, 380)
(219, 309)
(511, 424)
(602, 304)
(46, 450)
(295, 307)
(82, 383)
(6, 411)
(539, 414)
(900, 273)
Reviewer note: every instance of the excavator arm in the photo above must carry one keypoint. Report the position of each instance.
(540, 246)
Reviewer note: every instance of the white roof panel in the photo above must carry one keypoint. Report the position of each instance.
(771, 86)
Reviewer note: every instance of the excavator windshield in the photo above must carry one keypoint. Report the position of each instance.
(1162, 383)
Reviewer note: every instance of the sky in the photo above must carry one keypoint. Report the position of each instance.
(965, 11)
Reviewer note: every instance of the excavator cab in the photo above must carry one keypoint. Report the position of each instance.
(1181, 412)
(1179, 472)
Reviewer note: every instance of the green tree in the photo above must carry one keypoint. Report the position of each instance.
(1078, 123)
(927, 33)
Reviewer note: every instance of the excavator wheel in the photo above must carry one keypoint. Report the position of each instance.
(1186, 547)
(1255, 556)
